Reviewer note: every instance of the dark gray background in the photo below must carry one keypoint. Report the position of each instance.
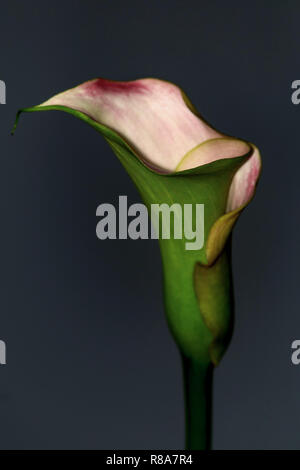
(91, 363)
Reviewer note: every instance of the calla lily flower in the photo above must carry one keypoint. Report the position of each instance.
(174, 156)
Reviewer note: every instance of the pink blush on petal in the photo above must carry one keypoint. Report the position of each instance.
(100, 85)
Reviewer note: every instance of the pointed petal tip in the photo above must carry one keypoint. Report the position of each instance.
(19, 112)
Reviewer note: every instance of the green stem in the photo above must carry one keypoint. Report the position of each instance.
(198, 403)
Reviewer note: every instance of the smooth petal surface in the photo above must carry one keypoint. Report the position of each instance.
(151, 115)
(212, 150)
(157, 121)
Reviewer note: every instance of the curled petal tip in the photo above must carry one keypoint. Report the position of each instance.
(244, 182)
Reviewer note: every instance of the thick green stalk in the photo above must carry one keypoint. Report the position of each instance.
(199, 308)
(198, 404)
